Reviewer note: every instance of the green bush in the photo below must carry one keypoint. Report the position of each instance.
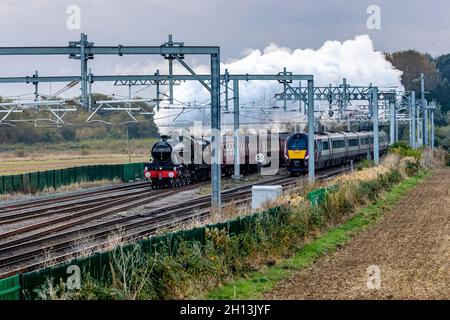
(404, 150)
(364, 164)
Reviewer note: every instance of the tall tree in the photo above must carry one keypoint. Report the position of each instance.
(443, 64)
(412, 63)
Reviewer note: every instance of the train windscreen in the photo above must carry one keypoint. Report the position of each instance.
(297, 143)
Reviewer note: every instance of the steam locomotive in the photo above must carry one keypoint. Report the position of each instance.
(178, 161)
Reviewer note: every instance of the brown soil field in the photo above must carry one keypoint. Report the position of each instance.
(410, 245)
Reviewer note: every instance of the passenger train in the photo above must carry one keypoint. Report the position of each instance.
(331, 149)
(176, 162)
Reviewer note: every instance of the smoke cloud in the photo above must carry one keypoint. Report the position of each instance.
(354, 59)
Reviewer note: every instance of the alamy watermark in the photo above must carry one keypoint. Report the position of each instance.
(374, 20)
(373, 277)
(74, 278)
(73, 21)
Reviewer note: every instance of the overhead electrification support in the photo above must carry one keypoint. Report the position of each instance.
(432, 108)
(410, 122)
(216, 154)
(149, 79)
(396, 130)
(90, 90)
(413, 119)
(418, 124)
(424, 110)
(237, 173)
(432, 129)
(344, 102)
(83, 46)
(376, 145)
(311, 131)
(225, 83)
(157, 91)
(300, 101)
(83, 59)
(170, 81)
(397, 108)
(36, 86)
(286, 84)
(392, 123)
(344, 94)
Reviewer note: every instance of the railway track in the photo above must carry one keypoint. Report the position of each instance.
(33, 251)
(57, 199)
(101, 211)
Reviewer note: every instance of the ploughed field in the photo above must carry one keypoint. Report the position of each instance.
(410, 245)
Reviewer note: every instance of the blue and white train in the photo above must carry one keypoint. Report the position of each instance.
(331, 149)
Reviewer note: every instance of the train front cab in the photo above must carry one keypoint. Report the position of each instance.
(296, 153)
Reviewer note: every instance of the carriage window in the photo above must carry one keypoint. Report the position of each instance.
(353, 142)
(325, 145)
(338, 144)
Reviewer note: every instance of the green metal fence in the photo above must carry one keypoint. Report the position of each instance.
(98, 265)
(35, 181)
(318, 196)
(10, 288)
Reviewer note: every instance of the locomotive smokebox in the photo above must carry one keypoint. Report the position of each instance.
(162, 151)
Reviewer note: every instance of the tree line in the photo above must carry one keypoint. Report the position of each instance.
(437, 85)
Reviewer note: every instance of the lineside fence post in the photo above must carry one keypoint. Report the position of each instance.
(376, 145)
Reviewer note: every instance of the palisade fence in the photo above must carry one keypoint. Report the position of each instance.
(38, 181)
(98, 266)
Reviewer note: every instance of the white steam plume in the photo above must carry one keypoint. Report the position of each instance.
(354, 59)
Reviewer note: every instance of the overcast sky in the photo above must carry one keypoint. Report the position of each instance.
(234, 25)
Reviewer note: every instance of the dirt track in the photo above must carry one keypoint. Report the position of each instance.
(411, 246)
